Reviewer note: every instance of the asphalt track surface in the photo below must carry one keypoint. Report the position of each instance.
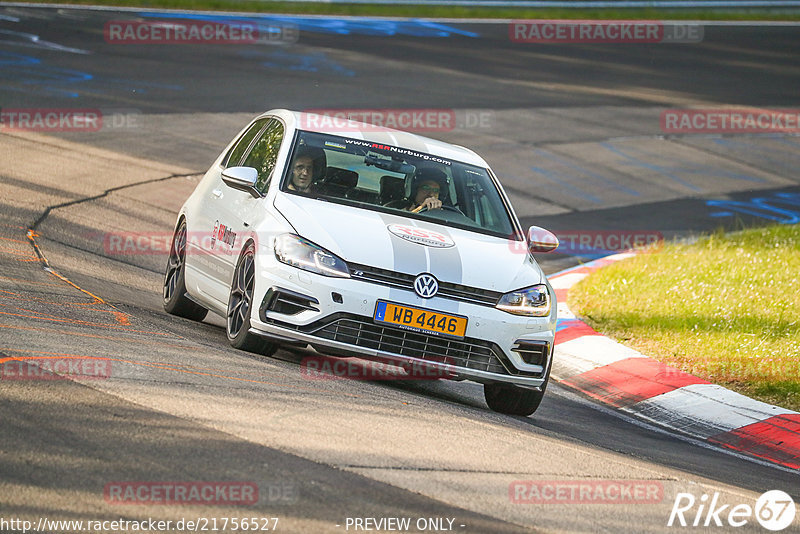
(573, 131)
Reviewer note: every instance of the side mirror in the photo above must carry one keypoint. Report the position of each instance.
(242, 179)
(541, 240)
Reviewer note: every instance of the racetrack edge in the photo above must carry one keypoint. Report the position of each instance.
(626, 380)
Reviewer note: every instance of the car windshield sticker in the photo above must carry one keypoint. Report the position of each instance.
(396, 150)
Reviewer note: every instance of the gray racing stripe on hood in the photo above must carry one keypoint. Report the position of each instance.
(412, 258)
(407, 257)
(446, 265)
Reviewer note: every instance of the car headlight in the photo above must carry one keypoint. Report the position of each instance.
(301, 253)
(533, 301)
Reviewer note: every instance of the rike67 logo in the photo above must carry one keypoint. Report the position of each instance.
(774, 510)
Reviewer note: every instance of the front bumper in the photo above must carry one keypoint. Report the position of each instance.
(335, 314)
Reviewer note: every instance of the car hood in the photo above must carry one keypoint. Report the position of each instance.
(374, 239)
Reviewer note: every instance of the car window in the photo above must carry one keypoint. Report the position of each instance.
(389, 179)
(238, 150)
(264, 153)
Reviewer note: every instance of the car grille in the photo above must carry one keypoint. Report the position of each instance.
(447, 290)
(363, 332)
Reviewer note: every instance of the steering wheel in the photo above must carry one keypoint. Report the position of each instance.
(399, 203)
(424, 208)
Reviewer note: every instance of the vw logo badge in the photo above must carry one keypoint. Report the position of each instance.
(426, 285)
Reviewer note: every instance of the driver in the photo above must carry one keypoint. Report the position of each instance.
(306, 169)
(425, 189)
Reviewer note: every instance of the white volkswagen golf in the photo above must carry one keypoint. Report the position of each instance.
(368, 242)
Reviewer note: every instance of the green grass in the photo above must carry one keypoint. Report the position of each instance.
(268, 6)
(726, 309)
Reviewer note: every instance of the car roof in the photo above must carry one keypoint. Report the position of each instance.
(313, 122)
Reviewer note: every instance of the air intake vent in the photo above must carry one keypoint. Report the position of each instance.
(533, 352)
(286, 302)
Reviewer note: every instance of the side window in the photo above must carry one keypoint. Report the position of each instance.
(265, 153)
(235, 155)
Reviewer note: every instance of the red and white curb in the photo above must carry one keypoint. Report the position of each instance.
(629, 381)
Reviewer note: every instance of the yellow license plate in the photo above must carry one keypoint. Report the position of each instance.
(420, 320)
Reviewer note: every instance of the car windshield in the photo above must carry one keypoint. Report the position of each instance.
(396, 180)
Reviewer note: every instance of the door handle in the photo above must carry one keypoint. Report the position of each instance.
(217, 193)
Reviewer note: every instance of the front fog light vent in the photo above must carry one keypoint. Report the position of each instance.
(533, 352)
(287, 302)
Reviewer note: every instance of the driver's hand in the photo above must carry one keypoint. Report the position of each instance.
(432, 203)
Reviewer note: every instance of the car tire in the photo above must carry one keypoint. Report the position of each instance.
(174, 294)
(240, 303)
(512, 400)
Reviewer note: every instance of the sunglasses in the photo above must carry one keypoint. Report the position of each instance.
(429, 189)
